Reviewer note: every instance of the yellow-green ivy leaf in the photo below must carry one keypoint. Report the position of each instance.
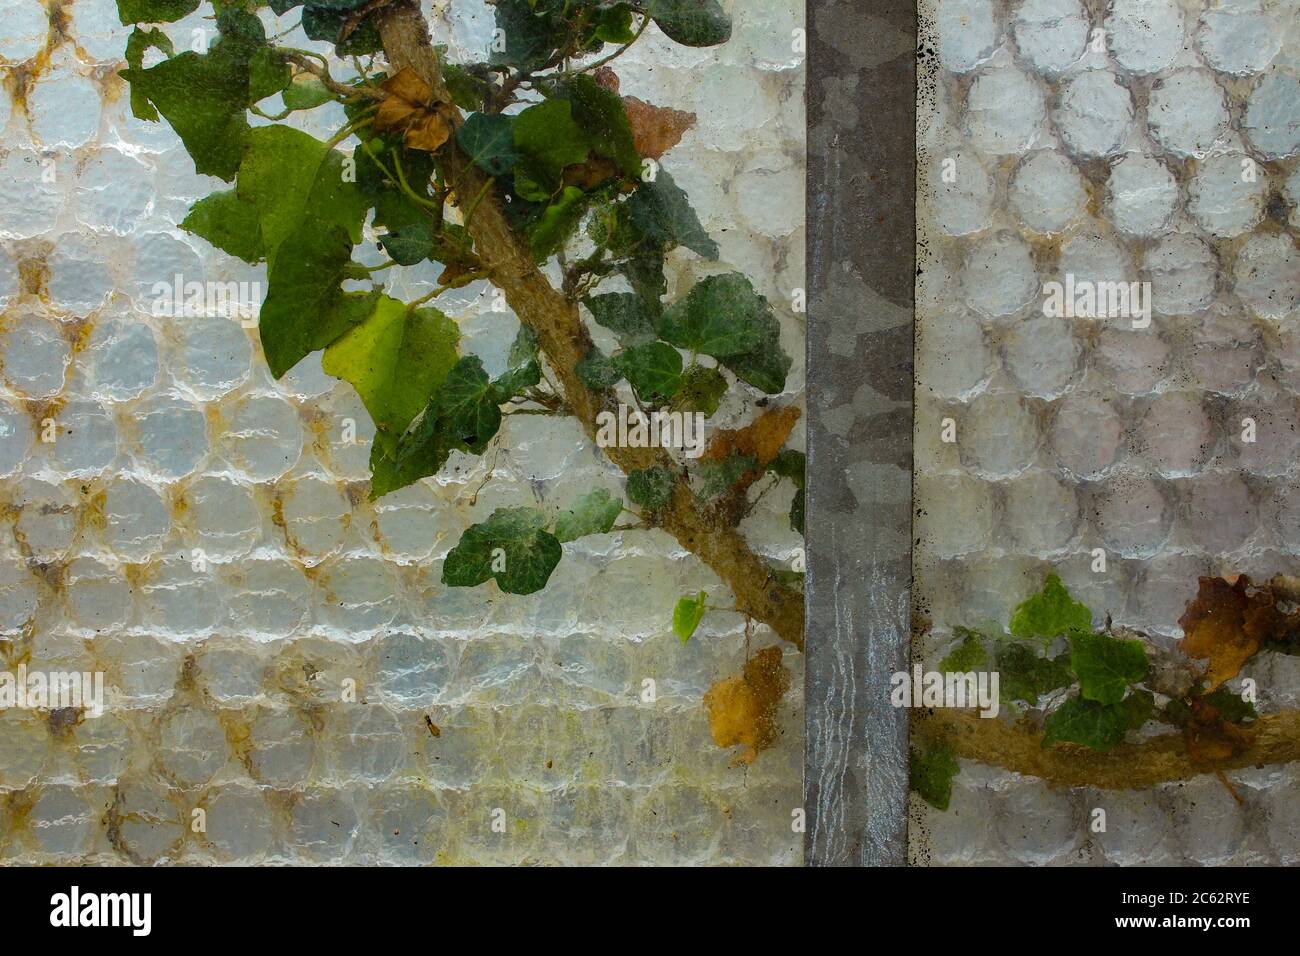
(1050, 613)
(687, 616)
(396, 360)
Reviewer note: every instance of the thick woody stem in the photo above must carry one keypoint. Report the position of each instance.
(1135, 766)
(565, 340)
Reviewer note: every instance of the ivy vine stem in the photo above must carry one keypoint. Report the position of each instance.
(478, 198)
(645, 22)
(1131, 766)
(318, 66)
(348, 130)
(406, 187)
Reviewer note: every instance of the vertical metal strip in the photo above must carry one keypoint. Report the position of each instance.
(861, 267)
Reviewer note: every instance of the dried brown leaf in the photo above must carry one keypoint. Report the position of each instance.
(655, 129)
(762, 438)
(429, 130)
(410, 108)
(1225, 625)
(742, 708)
(606, 78)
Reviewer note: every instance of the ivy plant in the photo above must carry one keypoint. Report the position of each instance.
(1094, 687)
(527, 170)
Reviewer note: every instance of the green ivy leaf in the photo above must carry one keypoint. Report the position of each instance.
(721, 316)
(320, 22)
(1095, 725)
(651, 487)
(294, 186)
(297, 182)
(523, 370)
(1086, 722)
(411, 243)
(1106, 666)
(154, 11)
(717, 477)
(966, 656)
(547, 135)
(396, 360)
(593, 513)
(931, 770)
(690, 22)
(524, 349)
(1050, 613)
(615, 24)
(1026, 676)
(466, 402)
(530, 37)
(489, 141)
(204, 97)
(645, 273)
(1137, 708)
(267, 75)
(512, 546)
(287, 181)
(137, 45)
(790, 464)
(701, 390)
(1230, 705)
(797, 511)
(625, 314)
(662, 212)
(601, 115)
(463, 414)
(305, 309)
(611, 228)
(395, 210)
(396, 462)
(766, 366)
(233, 21)
(687, 616)
(654, 369)
(306, 92)
(597, 371)
(229, 223)
(549, 231)
(529, 187)
(468, 90)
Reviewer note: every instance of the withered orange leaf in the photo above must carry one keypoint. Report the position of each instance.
(742, 708)
(606, 78)
(1225, 625)
(762, 438)
(429, 130)
(655, 129)
(407, 95)
(410, 108)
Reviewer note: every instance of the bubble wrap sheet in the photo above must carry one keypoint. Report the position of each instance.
(173, 517)
(1140, 140)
